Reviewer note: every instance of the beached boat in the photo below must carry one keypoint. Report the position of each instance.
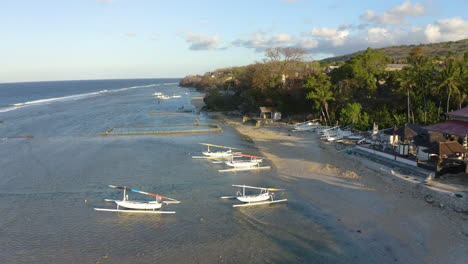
(240, 165)
(254, 199)
(217, 154)
(253, 161)
(308, 125)
(139, 206)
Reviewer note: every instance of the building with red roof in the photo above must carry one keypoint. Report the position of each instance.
(458, 126)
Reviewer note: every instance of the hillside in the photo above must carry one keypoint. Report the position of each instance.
(400, 53)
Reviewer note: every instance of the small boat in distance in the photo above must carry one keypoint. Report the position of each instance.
(254, 199)
(137, 205)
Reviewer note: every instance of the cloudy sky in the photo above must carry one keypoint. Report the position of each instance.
(112, 39)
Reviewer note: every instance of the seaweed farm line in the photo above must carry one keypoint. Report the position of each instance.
(167, 113)
(161, 130)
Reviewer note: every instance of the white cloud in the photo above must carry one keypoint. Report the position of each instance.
(348, 38)
(259, 41)
(397, 14)
(283, 38)
(308, 43)
(450, 29)
(378, 35)
(335, 36)
(202, 42)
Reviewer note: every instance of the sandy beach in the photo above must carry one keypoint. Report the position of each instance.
(386, 216)
(389, 217)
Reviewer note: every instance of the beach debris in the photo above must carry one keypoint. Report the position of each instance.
(456, 195)
(441, 205)
(429, 198)
(458, 210)
(359, 231)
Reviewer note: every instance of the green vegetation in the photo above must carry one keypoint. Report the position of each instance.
(358, 92)
(400, 54)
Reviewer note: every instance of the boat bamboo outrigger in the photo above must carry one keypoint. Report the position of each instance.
(139, 206)
(264, 197)
(209, 154)
(241, 165)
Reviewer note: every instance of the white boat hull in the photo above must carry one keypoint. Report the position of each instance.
(304, 128)
(221, 154)
(135, 211)
(254, 198)
(245, 169)
(259, 203)
(151, 205)
(237, 164)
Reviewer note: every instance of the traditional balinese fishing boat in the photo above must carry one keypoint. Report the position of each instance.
(308, 125)
(215, 154)
(137, 205)
(253, 161)
(255, 199)
(238, 165)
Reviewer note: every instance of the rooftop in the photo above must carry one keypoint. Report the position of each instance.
(451, 127)
(459, 113)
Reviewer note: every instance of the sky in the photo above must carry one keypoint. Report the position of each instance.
(45, 40)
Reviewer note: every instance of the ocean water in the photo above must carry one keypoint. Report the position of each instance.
(50, 184)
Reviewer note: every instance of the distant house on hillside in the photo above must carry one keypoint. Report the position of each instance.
(396, 67)
(329, 69)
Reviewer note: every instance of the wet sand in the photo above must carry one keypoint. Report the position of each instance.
(387, 217)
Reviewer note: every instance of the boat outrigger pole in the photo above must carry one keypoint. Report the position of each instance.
(147, 193)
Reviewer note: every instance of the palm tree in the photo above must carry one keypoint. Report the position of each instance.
(407, 82)
(463, 80)
(448, 80)
(421, 68)
(320, 92)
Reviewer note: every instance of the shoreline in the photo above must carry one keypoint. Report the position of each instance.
(386, 208)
